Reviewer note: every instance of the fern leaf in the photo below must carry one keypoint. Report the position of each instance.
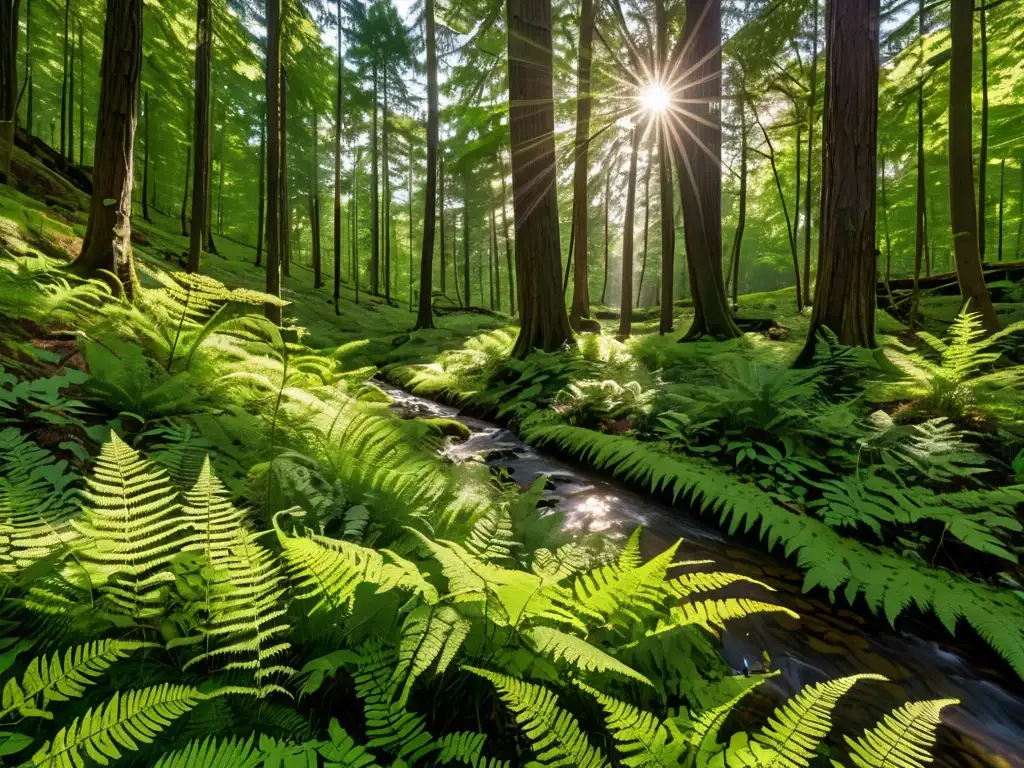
(796, 728)
(610, 589)
(706, 724)
(491, 538)
(554, 734)
(56, 680)
(644, 740)
(429, 632)
(578, 652)
(696, 583)
(342, 750)
(128, 719)
(902, 739)
(712, 614)
(559, 565)
(209, 753)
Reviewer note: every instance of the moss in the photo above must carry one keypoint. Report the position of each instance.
(449, 428)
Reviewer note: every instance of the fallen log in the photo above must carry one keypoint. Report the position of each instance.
(947, 281)
(53, 160)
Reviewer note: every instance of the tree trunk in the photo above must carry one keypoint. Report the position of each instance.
(286, 206)
(71, 100)
(145, 162)
(1002, 200)
(607, 192)
(386, 184)
(466, 277)
(790, 230)
(647, 221)
(443, 253)
(544, 323)
(220, 174)
(314, 207)
(581, 199)
(9, 11)
(81, 94)
(626, 296)
(983, 152)
(844, 297)
(355, 226)
(63, 82)
(107, 245)
(961, 184)
(741, 221)
(919, 217)
(497, 260)
(274, 124)
(337, 172)
(184, 199)
(811, 102)
(374, 200)
(455, 255)
(262, 184)
(410, 227)
(490, 252)
(28, 69)
(507, 238)
(201, 136)
(1020, 211)
(698, 158)
(665, 196)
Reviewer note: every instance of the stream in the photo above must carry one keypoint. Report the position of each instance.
(827, 641)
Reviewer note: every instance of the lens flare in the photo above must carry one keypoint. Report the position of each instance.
(655, 98)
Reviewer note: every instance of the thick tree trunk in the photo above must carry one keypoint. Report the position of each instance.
(647, 221)
(626, 295)
(961, 171)
(508, 238)
(374, 200)
(107, 245)
(812, 100)
(544, 323)
(581, 198)
(983, 151)
(844, 297)
(286, 204)
(184, 198)
(698, 158)
(201, 136)
(145, 162)
(466, 277)
(274, 104)
(63, 82)
(262, 185)
(337, 172)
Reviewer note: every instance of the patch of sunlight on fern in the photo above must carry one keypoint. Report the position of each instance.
(231, 752)
(429, 633)
(578, 653)
(901, 739)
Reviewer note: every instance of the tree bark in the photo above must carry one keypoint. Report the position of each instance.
(314, 207)
(626, 295)
(337, 171)
(961, 171)
(286, 206)
(443, 253)
(507, 238)
(698, 158)
(201, 136)
(9, 10)
(455, 255)
(107, 245)
(544, 323)
(386, 184)
(1002, 200)
(665, 195)
(647, 221)
(811, 102)
(184, 199)
(274, 126)
(466, 277)
(983, 151)
(63, 82)
(581, 199)
(741, 221)
(607, 193)
(81, 94)
(919, 216)
(374, 200)
(262, 184)
(844, 297)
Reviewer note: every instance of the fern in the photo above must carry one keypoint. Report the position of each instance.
(491, 537)
(55, 680)
(902, 739)
(578, 652)
(612, 589)
(132, 526)
(429, 633)
(209, 753)
(128, 719)
(554, 735)
(712, 614)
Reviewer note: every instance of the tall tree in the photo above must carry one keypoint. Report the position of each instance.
(983, 149)
(145, 161)
(9, 10)
(580, 197)
(424, 315)
(665, 195)
(507, 237)
(920, 219)
(314, 205)
(273, 109)
(184, 197)
(467, 282)
(285, 224)
(543, 323)
(698, 159)
(71, 99)
(374, 195)
(844, 296)
(386, 184)
(444, 257)
(81, 93)
(812, 102)
(626, 295)
(107, 247)
(30, 95)
(741, 219)
(262, 188)
(201, 136)
(337, 168)
(63, 82)
(647, 221)
(961, 166)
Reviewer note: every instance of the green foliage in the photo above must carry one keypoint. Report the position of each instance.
(903, 738)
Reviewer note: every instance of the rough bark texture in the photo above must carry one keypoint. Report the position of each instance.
(9, 10)
(844, 297)
(698, 159)
(581, 198)
(107, 244)
(201, 137)
(961, 167)
(262, 184)
(626, 296)
(424, 313)
(273, 156)
(337, 173)
(544, 323)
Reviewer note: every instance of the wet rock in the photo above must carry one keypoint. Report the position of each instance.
(561, 478)
(547, 503)
(499, 454)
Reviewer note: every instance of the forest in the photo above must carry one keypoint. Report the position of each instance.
(512, 383)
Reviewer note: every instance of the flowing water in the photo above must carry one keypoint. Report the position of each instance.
(827, 641)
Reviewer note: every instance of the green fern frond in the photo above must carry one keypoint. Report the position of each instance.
(706, 724)
(126, 721)
(695, 583)
(610, 589)
(578, 652)
(712, 614)
(902, 739)
(796, 728)
(330, 570)
(643, 739)
(209, 753)
(429, 632)
(561, 564)
(342, 751)
(554, 734)
(57, 680)
(466, 747)
(491, 538)
(132, 527)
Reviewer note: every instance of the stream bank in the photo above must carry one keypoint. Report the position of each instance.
(826, 641)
